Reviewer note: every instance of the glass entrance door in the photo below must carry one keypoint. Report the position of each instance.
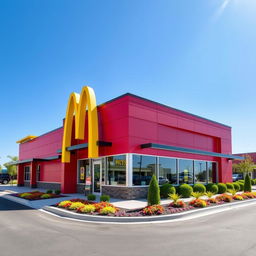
(97, 176)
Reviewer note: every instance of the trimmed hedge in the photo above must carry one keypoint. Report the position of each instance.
(241, 186)
(230, 186)
(199, 188)
(212, 187)
(222, 188)
(247, 184)
(91, 197)
(252, 182)
(185, 190)
(167, 189)
(153, 192)
(104, 198)
(236, 186)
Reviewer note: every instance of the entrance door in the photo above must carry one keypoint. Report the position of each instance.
(97, 176)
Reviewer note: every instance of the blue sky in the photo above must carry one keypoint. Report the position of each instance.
(198, 56)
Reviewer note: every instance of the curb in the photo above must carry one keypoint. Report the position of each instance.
(18, 200)
(146, 219)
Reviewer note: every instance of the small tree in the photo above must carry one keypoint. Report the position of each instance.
(153, 192)
(247, 184)
(245, 166)
(11, 168)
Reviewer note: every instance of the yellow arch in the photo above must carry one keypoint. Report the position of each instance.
(77, 105)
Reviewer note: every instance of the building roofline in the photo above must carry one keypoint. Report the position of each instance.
(141, 98)
(163, 105)
(244, 153)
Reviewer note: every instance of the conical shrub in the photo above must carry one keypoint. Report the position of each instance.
(247, 184)
(153, 192)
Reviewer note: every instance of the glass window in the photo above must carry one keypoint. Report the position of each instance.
(186, 171)
(167, 171)
(26, 173)
(116, 170)
(143, 169)
(38, 172)
(84, 173)
(200, 171)
(212, 172)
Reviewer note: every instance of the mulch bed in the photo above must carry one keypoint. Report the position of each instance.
(36, 195)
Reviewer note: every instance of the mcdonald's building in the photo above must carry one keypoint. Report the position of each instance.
(114, 148)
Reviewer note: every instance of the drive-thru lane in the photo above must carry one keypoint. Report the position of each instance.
(29, 232)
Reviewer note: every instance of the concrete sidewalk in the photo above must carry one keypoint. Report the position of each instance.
(6, 190)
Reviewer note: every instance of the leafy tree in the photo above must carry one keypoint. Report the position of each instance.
(11, 168)
(153, 192)
(245, 166)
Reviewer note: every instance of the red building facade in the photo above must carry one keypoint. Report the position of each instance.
(137, 138)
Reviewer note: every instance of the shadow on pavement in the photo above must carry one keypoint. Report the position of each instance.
(7, 205)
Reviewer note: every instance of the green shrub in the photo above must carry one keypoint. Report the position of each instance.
(236, 186)
(57, 192)
(153, 192)
(24, 195)
(49, 191)
(104, 198)
(241, 186)
(230, 186)
(91, 197)
(247, 184)
(241, 181)
(185, 190)
(45, 196)
(211, 187)
(222, 188)
(167, 189)
(199, 188)
(252, 182)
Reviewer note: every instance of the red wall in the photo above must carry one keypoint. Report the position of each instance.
(130, 121)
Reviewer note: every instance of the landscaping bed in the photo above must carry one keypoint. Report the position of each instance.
(107, 209)
(37, 195)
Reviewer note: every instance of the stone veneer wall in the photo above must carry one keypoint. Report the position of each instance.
(26, 183)
(125, 192)
(46, 185)
(80, 188)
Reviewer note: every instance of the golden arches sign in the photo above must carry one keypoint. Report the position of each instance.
(77, 105)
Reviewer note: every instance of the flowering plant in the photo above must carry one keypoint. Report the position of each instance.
(224, 198)
(198, 203)
(87, 208)
(153, 210)
(101, 205)
(212, 200)
(76, 205)
(238, 197)
(249, 195)
(64, 204)
(108, 210)
(178, 204)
